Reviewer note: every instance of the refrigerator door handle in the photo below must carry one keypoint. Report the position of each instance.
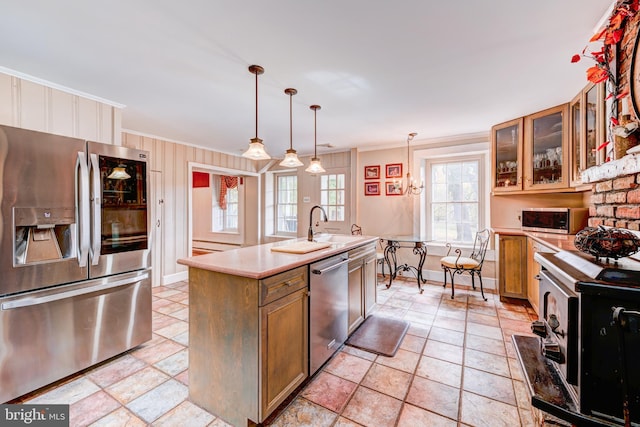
(96, 182)
(83, 214)
(35, 300)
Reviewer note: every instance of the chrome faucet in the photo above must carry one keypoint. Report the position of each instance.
(310, 233)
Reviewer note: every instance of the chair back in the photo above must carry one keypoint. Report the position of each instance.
(480, 245)
(356, 230)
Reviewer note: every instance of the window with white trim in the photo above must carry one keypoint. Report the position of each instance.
(286, 217)
(455, 198)
(332, 195)
(226, 205)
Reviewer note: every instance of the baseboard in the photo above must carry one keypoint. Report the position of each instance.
(176, 277)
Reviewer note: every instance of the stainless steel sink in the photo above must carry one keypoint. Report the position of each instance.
(336, 238)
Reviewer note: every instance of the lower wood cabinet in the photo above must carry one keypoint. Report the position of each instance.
(512, 265)
(285, 347)
(362, 284)
(248, 342)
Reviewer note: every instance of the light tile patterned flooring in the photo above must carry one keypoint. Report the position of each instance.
(455, 367)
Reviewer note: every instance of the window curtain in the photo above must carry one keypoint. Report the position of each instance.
(226, 182)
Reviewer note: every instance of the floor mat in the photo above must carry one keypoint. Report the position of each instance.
(380, 335)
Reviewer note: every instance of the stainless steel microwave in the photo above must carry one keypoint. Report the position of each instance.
(555, 220)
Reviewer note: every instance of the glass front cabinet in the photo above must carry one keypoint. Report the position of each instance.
(586, 130)
(506, 145)
(545, 156)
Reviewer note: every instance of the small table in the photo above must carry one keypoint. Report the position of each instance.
(419, 245)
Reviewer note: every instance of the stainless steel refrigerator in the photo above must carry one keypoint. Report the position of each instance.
(75, 277)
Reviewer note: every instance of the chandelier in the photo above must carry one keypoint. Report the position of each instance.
(412, 187)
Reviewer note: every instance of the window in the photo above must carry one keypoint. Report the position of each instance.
(332, 195)
(286, 204)
(454, 198)
(225, 218)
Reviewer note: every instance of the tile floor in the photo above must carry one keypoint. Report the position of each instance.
(455, 367)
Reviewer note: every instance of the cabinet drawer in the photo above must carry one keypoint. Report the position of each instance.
(362, 251)
(282, 284)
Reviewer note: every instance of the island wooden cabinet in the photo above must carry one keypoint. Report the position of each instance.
(362, 284)
(512, 265)
(248, 342)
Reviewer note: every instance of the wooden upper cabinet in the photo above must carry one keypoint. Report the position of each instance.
(546, 149)
(506, 149)
(586, 130)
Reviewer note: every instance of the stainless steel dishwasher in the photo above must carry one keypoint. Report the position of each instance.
(328, 301)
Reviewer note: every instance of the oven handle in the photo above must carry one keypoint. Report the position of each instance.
(31, 301)
(82, 197)
(94, 170)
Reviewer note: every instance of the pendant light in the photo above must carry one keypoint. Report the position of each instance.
(315, 166)
(291, 158)
(256, 149)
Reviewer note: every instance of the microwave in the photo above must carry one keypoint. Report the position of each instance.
(554, 220)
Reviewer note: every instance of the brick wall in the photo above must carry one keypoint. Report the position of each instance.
(615, 201)
(625, 55)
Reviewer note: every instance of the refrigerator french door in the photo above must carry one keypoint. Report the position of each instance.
(75, 277)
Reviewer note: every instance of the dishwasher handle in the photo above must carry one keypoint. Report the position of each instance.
(330, 267)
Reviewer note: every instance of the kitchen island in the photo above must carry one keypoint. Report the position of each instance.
(249, 323)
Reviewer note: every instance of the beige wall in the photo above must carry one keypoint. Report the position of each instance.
(34, 106)
(172, 161)
(30, 105)
(506, 209)
(394, 215)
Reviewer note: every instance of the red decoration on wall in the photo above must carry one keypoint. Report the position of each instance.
(200, 180)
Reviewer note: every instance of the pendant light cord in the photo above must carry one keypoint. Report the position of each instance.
(315, 133)
(291, 120)
(256, 105)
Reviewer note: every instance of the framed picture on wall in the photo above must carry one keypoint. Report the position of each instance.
(393, 188)
(372, 172)
(372, 188)
(393, 170)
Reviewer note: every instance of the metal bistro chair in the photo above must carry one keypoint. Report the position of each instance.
(357, 230)
(471, 264)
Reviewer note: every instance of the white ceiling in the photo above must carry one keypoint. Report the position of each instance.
(379, 69)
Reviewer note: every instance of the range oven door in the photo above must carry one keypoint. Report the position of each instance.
(119, 210)
(560, 308)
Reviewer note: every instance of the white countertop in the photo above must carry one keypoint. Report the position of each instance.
(257, 262)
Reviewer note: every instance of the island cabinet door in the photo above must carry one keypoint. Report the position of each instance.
(356, 311)
(370, 283)
(284, 348)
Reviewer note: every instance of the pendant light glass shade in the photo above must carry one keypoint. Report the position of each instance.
(315, 166)
(291, 159)
(256, 149)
